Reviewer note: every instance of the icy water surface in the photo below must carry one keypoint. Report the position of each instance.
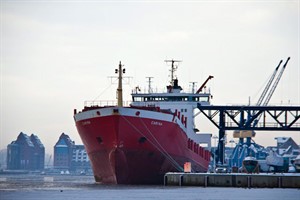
(63, 187)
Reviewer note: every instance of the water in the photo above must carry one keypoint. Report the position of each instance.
(63, 187)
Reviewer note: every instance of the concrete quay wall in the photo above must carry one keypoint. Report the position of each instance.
(233, 180)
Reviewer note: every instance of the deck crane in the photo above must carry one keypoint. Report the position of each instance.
(203, 85)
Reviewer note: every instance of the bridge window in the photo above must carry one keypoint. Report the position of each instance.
(201, 99)
(204, 99)
(171, 98)
(138, 99)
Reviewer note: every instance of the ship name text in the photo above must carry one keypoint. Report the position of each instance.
(86, 123)
(156, 123)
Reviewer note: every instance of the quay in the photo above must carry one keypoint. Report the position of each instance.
(232, 180)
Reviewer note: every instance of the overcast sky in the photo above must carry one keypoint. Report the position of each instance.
(57, 54)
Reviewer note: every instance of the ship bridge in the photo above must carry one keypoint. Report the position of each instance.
(165, 97)
(184, 103)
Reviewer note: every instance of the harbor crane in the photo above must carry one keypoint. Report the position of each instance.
(275, 84)
(241, 150)
(268, 85)
(270, 94)
(245, 127)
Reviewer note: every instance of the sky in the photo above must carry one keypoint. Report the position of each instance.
(57, 54)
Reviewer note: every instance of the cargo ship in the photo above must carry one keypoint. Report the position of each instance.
(139, 143)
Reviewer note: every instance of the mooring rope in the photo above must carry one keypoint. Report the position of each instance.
(174, 163)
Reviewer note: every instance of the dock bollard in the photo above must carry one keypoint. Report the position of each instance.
(249, 181)
(205, 181)
(165, 180)
(180, 180)
(279, 182)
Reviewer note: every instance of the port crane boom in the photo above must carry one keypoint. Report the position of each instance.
(272, 90)
(275, 83)
(268, 85)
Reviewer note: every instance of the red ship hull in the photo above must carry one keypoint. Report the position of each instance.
(135, 149)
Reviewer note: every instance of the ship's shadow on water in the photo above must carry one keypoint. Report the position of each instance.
(15, 187)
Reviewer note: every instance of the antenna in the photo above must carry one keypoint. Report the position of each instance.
(193, 86)
(149, 84)
(173, 69)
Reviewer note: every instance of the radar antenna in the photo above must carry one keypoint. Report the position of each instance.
(173, 69)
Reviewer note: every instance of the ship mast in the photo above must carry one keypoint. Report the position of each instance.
(120, 90)
(149, 84)
(173, 69)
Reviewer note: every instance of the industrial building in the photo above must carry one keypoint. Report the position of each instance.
(26, 153)
(70, 157)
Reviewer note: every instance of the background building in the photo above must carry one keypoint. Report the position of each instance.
(80, 159)
(26, 153)
(71, 157)
(286, 146)
(63, 151)
(38, 152)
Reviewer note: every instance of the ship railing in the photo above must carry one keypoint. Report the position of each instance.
(104, 103)
(146, 90)
(147, 104)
